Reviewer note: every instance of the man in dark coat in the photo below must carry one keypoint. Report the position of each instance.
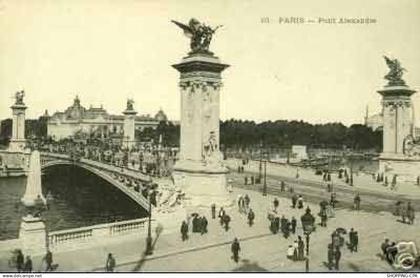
(195, 224)
(324, 218)
(221, 215)
(287, 228)
(294, 200)
(204, 224)
(213, 211)
(301, 249)
(337, 257)
(351, 240)
(357, 201)
(184, 230)
(28, 265)
(384, 246)
(330, 256)
(355, 241)
(19, 261)
(293, 224)
(283, 222)
(226, 220)
(251, 217)
(235, 248)
(48, 261)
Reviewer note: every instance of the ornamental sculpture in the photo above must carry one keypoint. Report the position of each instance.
(130, 103)
(199, 33)
(395, 73)
(19, 97)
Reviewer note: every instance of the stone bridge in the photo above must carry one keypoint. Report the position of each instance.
(131, 182)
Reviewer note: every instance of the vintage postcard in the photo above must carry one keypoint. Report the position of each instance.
(209, 136)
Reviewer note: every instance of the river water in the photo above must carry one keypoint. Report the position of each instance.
(76, 198)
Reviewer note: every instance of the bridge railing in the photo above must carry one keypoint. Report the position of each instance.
(75, 238)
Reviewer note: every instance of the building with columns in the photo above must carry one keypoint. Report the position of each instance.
(95, 122)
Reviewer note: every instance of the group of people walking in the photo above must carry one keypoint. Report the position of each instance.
(26, 265)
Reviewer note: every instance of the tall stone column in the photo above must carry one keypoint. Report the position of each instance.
(17, 142)
(200, 172)
(129, 125)
(398, 122)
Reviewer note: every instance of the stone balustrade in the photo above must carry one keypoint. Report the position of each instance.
(75, 238)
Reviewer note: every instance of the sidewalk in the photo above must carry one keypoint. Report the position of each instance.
(260, 250)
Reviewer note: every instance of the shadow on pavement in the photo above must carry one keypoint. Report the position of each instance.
(143, 256)
(247, 266)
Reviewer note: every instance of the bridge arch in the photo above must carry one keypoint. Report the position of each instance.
(108, 176)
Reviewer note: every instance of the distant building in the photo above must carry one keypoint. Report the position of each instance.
(77, 121)
(375, 122)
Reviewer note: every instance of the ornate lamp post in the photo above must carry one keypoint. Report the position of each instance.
(308, 221)
(260, 167)
(265, 178)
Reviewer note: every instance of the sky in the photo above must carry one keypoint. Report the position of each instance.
(108, 51)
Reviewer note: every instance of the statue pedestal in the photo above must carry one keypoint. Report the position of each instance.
(32, 235)
(203, 184)
(406, 168)
(199, 172)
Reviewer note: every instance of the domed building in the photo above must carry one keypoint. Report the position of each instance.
(78, 121)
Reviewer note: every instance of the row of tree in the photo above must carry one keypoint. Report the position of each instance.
(236, 134)
(269, 134)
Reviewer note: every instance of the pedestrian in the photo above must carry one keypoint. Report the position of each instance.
(357, 201)
(384, 246)
(283, 222)
(287, 229)
(203, 225)
(246, 180)
(294, 200)
(251, 217)
(282, 186)
(301, 249)
(330, 256)
(333, 199)
(300, 202)
(337, 257)
(410, 213)
(252, 180)
(295, 250)
(226, 220)
(195, 224)
(19, 261)
(48, 261)
(221, 215)
(110, 263)
(355, 241)
(28, 265)
(276, 204)
(351, 240)
(184, 230)
(324, 218)
(293, 224)
(235, 248)
(213, 211)
(247, 201)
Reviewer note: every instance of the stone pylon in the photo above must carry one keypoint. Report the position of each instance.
(129, 126)
(17, 142)
(33, 194)
(199, 171)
